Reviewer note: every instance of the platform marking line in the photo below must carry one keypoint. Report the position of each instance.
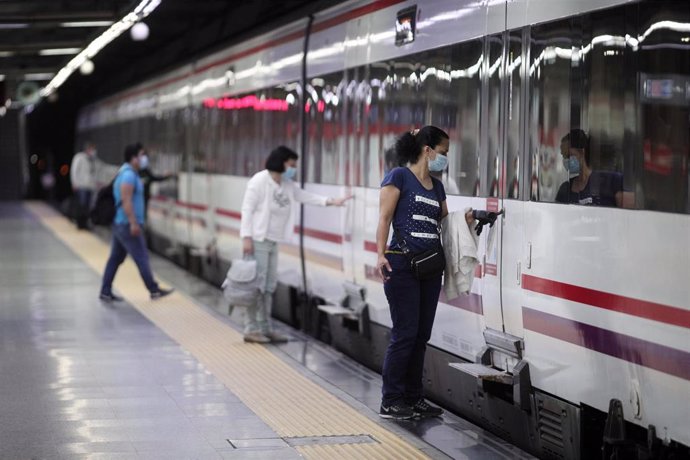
(291, 404)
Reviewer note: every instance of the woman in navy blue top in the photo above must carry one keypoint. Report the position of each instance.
(414, 202)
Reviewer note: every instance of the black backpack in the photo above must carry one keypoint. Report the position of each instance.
(103, 210)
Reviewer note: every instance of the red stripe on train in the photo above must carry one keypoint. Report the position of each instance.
(229, 213)
(321, 235)
(608, 301)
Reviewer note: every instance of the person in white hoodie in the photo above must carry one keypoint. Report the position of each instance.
(267, 219)
(83, 178)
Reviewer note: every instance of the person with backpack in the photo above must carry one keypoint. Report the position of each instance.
(128, 224)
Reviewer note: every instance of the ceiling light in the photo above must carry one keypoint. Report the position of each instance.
(59, 51)
(86, 24)
(143, 9)
(14, 26)
(139, 31)
(2, 77)
(6, 53)
(38, 76)
(86, 68)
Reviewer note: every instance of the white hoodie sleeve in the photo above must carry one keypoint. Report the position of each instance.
(305, 197)
(253, 197)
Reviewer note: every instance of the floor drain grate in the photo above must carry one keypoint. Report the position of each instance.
(326, 440)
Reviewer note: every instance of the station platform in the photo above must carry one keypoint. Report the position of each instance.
(172, 378)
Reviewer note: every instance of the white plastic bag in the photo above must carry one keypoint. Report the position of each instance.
(241, 285)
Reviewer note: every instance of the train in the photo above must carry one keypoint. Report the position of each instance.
(574, 340)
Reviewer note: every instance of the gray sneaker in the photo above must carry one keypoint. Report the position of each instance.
(276, 338)
(256, 337)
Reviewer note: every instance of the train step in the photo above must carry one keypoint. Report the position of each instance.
(484, 373)
(517, 383)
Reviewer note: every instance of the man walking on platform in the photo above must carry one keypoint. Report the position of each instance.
(83, 177)
(128, 191)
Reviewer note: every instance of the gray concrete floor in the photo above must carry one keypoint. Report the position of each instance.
(83, 379)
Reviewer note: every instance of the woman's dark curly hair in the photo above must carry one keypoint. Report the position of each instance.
(408, 147)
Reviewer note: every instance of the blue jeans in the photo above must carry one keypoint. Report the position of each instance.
(258, 318)
(124, 243)
(413, 307)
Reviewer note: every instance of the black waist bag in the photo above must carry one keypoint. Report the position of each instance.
(429, 264)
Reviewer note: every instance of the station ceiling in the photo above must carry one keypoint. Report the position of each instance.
(180, 30)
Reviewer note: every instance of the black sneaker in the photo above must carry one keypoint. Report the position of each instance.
(423, 409)
(398, 411)
(110, 297)
(161, 293)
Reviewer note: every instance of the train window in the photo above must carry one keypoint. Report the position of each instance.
(324, 129)
(663, 77)
(441, 87)
(494, 125)
(513, 146)
(549, 73)
(622, 77)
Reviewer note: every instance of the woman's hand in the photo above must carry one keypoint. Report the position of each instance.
(384, 268)
(247, 246)
(338, 201)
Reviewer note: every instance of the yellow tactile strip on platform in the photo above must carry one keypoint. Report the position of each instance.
(291, 404)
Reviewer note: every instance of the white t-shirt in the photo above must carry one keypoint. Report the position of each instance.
(280, 207)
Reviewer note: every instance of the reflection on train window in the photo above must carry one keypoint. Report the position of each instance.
(440, 87)
(549, 74)
(622, 75)
(664, 90)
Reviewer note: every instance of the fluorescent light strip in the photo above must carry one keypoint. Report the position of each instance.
(59, 51)
(142, 10)
(86, 24)
(13, 26)
(38, 76)
(6, 53)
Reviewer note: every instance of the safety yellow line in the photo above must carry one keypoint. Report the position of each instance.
(288, 402)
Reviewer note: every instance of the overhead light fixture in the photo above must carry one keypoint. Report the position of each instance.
(2, 77)
(38, 76)
(86, 24)
(6, 53)
(142, 10)
(14, 26)
(86, 68)
(139, 31)
(59, 51)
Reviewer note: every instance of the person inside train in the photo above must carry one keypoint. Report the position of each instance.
(148, 177)
(128, 238)
(586, 186)
(414, 202)
(267, 219)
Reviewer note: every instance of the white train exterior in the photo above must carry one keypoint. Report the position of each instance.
(594, 300)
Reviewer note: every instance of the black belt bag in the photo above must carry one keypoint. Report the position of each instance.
(429, 264)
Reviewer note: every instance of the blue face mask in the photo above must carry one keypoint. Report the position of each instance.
(439, 163)
(143, 162)
(289, 173)
(572, 164)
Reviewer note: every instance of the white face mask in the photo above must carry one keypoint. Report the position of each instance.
(143, 162)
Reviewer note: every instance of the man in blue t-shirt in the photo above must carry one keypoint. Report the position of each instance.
(128, 191)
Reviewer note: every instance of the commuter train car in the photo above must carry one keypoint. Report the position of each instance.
(575, 336)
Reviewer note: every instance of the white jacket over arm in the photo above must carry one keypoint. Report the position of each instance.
(256, 205)
(460, 248)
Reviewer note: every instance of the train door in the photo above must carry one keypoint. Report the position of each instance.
(502, 120)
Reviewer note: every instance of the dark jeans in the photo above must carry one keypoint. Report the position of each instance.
(413, 307)
(81, 211)
(124, 243)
